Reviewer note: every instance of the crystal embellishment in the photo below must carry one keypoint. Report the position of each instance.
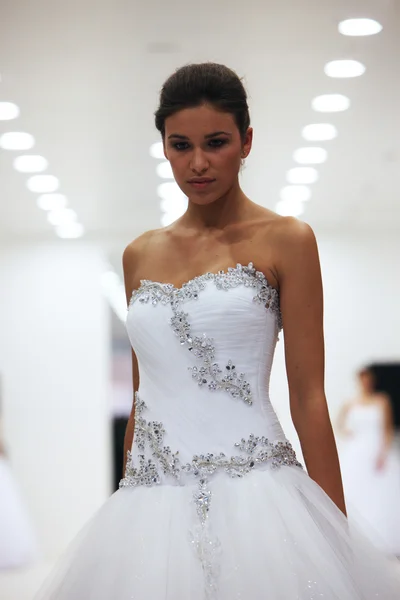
(149, 435)
(157, 460)
(209, 373)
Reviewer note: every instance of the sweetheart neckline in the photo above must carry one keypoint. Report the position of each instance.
(227, 271)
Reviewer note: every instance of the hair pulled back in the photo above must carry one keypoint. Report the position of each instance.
(204, 83)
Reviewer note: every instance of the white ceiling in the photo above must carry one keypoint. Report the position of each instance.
(86, 75)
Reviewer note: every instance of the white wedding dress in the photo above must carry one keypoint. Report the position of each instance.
(18, 547)
(373, 495)
(214, 505)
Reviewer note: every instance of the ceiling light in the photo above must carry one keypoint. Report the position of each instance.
(17, 140)
(290, 208)
(43, 183)
(70, 231)
(344, 68)
(62, 216)
(30, 164)
(359, 27)
(319, 132)
(8, 111)
(296, 193)
(164, 170)
(331, 103)
(310, 155)
(302, 175)
(170, 190)
(52, 201)
(157, 150)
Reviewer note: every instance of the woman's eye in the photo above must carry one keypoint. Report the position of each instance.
(217, 143)
(181, 146)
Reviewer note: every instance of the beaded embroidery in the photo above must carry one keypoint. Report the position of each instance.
(149, 439)
(149, 434)
(202, 347)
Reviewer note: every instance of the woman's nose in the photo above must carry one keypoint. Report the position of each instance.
(199, 163)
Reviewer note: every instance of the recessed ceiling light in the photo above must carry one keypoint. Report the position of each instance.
(344, 68)
(30, 164)
(62, 216)
(164, 170)
(297, 193)
(290, 208)
(310, 155)
(157, 150)
(43, 183)
(319, 132)
(70, 231)
(357, 27)
(331, 103)
(302, 175)
(8, 111)
(52, 201)
(17, 140)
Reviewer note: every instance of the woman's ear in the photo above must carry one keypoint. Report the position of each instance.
(247, 143)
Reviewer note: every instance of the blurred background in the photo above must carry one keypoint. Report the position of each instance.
(82, 174)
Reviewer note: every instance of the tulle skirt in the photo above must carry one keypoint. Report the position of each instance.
(271, 535)
(372, 494)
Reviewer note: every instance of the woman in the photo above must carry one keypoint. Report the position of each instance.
(370, 463)
(214, 504)
(18, 546)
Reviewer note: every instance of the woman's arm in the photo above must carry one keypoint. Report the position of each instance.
(388, 430)
(129, 262)
(128, 440)
(342, 428)
(299, 275)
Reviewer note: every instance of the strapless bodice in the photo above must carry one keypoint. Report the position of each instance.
(205, 352)
(366, 420)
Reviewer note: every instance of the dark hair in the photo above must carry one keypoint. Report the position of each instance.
(205, 83)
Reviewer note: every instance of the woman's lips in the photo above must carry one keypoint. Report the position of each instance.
(201, 184)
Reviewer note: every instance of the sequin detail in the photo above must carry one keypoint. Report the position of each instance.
(157, 460)
(209, 373)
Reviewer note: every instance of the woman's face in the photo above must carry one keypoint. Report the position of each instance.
(205, 150)
(367, 383)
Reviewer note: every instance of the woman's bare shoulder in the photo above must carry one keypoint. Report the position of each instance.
(281, 239)
(134, 249)
(383, 400)
(290, 230)
(279, 229)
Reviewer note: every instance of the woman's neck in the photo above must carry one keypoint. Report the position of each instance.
(231, 208)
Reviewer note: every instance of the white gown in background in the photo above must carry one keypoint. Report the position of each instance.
(214, 505)
(373, 495)
(17, 540)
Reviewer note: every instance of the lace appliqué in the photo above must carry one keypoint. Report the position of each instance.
(255, 450)
(210, 374)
